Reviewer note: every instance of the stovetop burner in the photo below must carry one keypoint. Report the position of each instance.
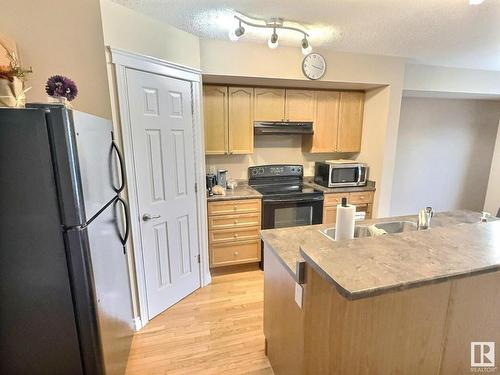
(282, 179)
(285, 189)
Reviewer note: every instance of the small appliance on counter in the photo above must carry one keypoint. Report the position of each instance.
(222, 178)
(211, 182)
(340, 173)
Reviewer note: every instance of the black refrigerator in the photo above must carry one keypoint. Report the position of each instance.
(65, 295)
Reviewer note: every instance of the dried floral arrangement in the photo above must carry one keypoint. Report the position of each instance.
(13, 70)
(12, 78)
(61, 87)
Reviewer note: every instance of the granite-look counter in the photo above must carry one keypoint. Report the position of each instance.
(370, 186)
(456, 245)
(242, 191)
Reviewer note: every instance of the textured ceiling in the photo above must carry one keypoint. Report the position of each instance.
(436, 32)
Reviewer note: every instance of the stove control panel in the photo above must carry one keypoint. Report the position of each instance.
(275, 170)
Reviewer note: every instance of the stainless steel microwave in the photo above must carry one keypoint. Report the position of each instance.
(340, 173)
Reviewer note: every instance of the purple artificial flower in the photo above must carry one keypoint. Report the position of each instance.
(58, 86)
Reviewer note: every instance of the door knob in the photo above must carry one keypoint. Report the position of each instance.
(147, 217)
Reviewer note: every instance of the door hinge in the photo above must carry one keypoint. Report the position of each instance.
(195, 187)
(198, 258)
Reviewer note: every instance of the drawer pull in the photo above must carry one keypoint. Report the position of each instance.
(236, 253)
(236, 221)
(235, 235)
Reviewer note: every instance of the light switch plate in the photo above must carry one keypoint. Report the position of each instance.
(298, 294)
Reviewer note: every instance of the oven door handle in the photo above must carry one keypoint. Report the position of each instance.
(293, 200)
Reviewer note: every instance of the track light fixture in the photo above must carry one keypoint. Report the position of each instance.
(272, 23)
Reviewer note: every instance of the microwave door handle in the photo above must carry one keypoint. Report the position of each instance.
(359, 174)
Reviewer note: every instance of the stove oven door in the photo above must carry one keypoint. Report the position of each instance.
(291, 212)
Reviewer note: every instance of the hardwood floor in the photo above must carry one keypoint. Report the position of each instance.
(215, 330)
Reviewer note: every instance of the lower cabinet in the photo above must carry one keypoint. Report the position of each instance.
(362, 200)
(234, 232)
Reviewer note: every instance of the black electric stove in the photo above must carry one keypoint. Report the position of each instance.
(286, 201)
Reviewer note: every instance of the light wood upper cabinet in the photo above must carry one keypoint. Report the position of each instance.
(350, 121)
(269, 104)
(326, 121)
(299, 105)
(240, 120)
(215, 116)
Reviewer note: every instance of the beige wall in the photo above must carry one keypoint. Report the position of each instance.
(381, 115)
(444, 153)
(436, 79)
(61, 37)
(492, 203)
(133, 31)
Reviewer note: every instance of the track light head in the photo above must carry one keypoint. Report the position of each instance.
(273, 40)
(234, 35)
(306, 46)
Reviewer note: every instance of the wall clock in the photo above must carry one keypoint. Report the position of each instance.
(314, 66)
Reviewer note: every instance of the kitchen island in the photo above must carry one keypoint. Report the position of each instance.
(407, 303)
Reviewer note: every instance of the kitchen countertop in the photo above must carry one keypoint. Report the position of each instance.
(457, 245)
(242, 191)
(370, 186)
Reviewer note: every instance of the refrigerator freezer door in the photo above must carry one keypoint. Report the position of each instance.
(97, 160)
(84, 162)
(38, 333)
(112, 287)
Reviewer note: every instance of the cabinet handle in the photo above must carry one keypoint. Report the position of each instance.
(235, 221)
(236, 253)
(235, 235)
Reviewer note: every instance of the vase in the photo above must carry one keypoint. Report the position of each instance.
(11, 93)
(58, 100)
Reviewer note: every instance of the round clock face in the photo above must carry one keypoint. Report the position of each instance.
(314, 66)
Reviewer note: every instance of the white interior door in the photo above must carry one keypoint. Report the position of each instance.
(162, 131)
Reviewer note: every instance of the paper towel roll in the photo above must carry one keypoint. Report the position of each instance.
(344, 228)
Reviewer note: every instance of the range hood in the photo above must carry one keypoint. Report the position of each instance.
(279, 127)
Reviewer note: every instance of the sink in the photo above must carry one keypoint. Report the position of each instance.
(397, 226)
(359, 232)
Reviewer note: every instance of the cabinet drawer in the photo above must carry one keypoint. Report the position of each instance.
(363, 197)
(239, 234)
(333, 199)
(234, 253)
(233, 207)
(234, 221)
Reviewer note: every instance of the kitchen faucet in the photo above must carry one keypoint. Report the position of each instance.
(424, 218)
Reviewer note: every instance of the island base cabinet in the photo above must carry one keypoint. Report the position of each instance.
(423, 330)
(283, 319)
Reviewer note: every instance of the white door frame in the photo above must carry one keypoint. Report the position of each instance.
(123, 60)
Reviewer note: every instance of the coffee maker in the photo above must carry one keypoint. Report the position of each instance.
(211, 182)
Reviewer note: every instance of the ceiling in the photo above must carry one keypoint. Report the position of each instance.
(435, 32)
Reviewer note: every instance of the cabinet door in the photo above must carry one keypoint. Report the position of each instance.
(326, 122)
(215, 117)
(350, 121)
(299, 105)
(269, 104)
(240, 120)
(329, 215)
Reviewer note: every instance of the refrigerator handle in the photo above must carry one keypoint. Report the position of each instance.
(124, 239)
(122, 170)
